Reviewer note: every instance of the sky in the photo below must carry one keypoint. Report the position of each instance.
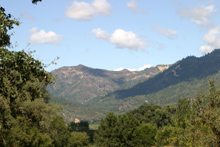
(115, 34)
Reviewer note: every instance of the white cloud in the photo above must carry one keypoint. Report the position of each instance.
(81, 10)
(118, 69)
(102, 6)
(133, 5)
(44, 37)
(144, 67)
(206, 49)
(100, 34)
(28, 16)
(199, 15)
(129, 40)
(87, 11)
(133, 69)
(121, 39)
(171, 34)
(212, 39)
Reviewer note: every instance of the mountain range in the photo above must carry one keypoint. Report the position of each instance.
(81, 83)
(121, 91)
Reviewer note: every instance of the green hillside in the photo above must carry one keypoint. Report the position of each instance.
(185, 78)
(185, 70)
(73, 110)
(169, 95)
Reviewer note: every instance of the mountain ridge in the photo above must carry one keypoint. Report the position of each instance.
(183, 70)
(81, 83)
(163, 84)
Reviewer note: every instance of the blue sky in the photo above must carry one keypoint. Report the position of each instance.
(115, 34)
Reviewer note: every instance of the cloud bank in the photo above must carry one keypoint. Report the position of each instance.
(199, 15)
(122, 39)
(87, 11)
(133, 69)
(44, 37)
(212, 38)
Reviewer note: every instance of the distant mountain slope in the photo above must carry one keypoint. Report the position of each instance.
(169, 95)
(184, 70)
(73, 110)
(81, 83)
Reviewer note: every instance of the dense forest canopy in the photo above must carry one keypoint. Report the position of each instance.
(193, 122)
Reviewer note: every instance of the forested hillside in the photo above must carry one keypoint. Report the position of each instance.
(186, 69)
(169, 95)
(192, 122)
(185, 78)
(72, 111)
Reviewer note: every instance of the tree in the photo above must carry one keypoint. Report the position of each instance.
(116, 131)
(78, 139)
(105, 135)
(163, 136)
(154, 114)
(197, 121)
(144, 135)
(22, 133)
(23, 95)
(59, 132)
(125, 130)
(26, 116)
(6, 23)
(205, 126)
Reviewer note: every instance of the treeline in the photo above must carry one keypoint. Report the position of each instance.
(193, 122)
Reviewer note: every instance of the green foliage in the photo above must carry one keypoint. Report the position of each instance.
(6, 24)
(26, 116)
(145, 135)
(125, 130)
(183, 112)
(163, 136)
(193, 122)
(154, 114)
(78, 139)
(60, 133)
(105, 133)
(197, 121)
(116, 131)
(24, 134)
(73, 110)
(23, 94)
